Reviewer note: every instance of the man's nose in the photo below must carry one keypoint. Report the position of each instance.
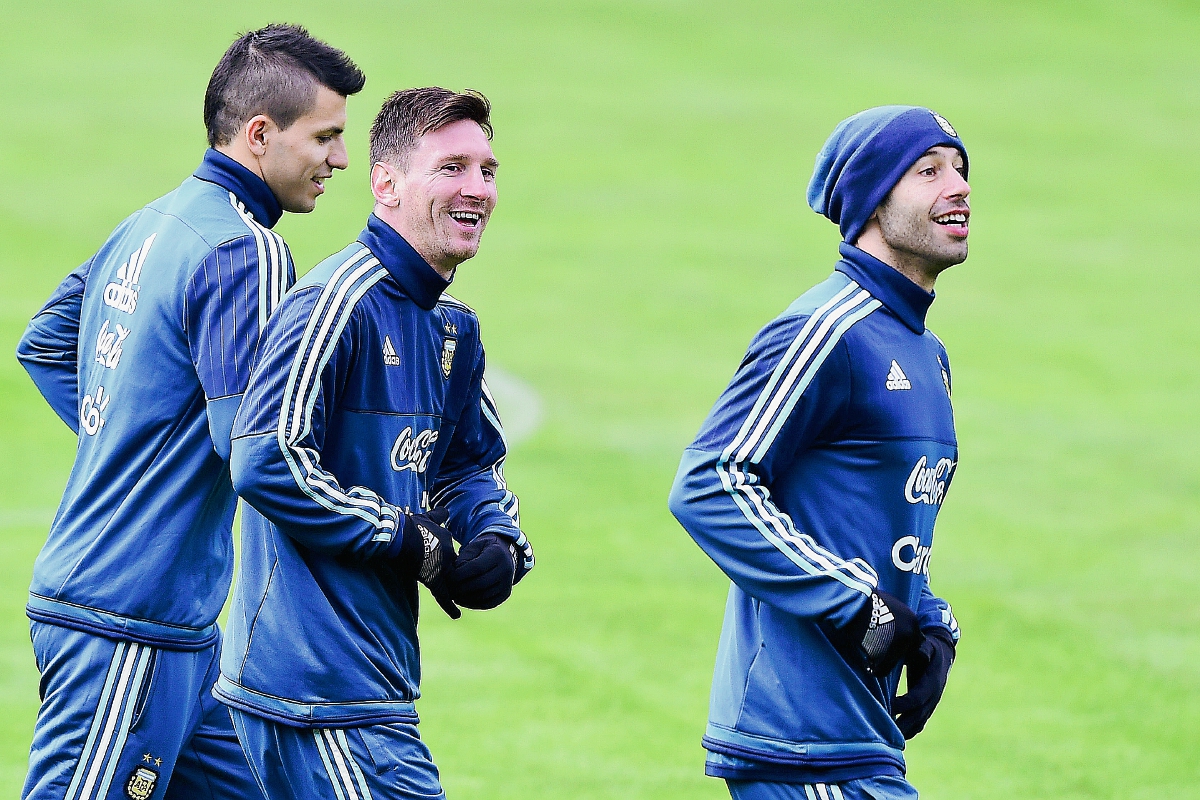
(473, 184)
(958, 186)
(338, 157)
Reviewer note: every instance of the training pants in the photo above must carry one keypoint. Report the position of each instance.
(129, 721)
(376, 762)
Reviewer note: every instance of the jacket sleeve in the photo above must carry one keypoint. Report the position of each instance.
(279, 433)
(470, 482)
(934, 612)
(49, 349)
(792, 387)
(228, 300)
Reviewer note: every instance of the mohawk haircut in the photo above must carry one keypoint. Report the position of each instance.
(273, 71)
(409, 114)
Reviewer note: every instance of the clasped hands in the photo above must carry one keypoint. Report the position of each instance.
(478, 576)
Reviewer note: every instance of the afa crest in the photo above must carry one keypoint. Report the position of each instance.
(141, 783)
(448, 348)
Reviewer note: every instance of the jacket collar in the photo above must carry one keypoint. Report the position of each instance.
(418, 280)
(903, 298)
(252, 190)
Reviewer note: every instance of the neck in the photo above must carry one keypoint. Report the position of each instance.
(242, 155)
(915, 268)
(395, 220)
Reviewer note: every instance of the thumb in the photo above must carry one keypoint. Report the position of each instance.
(904, 704)
(438, 516)
(448, 606)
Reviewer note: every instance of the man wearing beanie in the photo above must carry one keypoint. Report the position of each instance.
(815, 481)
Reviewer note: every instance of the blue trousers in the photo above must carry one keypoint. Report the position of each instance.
(124, 720)
(376, 762)
(889, 788)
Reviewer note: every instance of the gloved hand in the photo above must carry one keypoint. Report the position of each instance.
(427, 554)
(880, 635)
(484, 572)
(928, 670)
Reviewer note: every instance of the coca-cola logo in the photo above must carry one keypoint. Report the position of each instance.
(413, 451)
(927, 484)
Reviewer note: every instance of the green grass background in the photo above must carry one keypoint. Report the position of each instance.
(652, 217)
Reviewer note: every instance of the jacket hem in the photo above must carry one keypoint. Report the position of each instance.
(738, 755)
(774, 774)
(313, 715)
(114, 626)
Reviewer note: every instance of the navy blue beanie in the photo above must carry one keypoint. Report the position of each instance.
(866, 155)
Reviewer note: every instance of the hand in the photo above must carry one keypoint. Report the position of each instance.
(427, 554)
(928, 670)
(484, 572)
(881, 634)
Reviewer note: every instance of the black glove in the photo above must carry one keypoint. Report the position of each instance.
(484, 572)
(928, 669)
(427, 554)
(880, 635)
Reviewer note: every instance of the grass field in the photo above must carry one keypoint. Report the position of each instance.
(651, 218)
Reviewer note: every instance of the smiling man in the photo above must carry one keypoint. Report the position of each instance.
(145, 351)
(367, 444)
(816, 479)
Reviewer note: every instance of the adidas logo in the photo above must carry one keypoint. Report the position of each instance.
(392, 360)
(896, 378)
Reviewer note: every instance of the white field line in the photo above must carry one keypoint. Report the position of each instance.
(26, 517)
(519, 404)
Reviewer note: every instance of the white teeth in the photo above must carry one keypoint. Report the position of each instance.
(951, 218)
(466, 216)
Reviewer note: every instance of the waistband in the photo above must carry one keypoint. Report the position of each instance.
(165, 635)
(313, 715)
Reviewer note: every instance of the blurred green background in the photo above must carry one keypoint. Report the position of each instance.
(651, 219)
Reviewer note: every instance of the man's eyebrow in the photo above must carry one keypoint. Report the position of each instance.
(333, 130)
(487, 162)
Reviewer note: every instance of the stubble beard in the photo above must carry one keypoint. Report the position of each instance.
(910, 236)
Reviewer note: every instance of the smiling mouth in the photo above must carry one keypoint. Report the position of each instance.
(468, 219)
(955, 219)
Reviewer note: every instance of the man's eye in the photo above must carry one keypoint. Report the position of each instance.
(452, 167)
(489, 174)
(324, 139)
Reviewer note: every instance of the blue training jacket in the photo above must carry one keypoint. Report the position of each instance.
(817, 477)
(367, 402)
(144, 351)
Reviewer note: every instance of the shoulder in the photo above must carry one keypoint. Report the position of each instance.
(821, 316)
(333, 290)
(457, 313)
(216, 217)
(941, 346)
(353, 267)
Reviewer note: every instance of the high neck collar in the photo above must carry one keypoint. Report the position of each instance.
(904, 298)
(419, 281)
(252, 190)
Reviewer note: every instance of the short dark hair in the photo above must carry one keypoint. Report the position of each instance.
(273, 71)
(411, 113)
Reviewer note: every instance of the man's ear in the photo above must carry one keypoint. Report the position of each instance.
(257, 132)
(385, 184)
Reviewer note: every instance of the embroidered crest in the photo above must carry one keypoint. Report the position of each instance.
(141, 783)
(448, 347)
(944, 125)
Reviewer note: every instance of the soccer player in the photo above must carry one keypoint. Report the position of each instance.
(366, 443)
(145, 352)
(815, 481)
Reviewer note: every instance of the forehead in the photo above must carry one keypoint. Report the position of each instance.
(462, 137)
